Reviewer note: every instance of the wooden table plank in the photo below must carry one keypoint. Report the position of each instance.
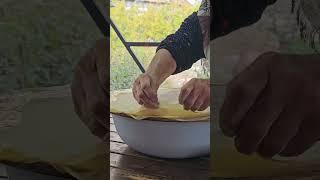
(130, 163)
(194, 163)
(121, 174)
(156, 168)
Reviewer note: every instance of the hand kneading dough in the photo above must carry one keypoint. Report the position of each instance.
(123, 102)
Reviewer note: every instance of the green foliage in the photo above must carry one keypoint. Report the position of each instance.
(152, 25)
(41, 41)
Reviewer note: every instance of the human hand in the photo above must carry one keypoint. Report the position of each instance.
(90, 89)
(272, 107)
(145, 91)
(195, 95)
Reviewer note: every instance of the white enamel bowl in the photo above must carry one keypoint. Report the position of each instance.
(165, 139)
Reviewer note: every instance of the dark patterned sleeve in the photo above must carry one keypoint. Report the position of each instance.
(186, 44)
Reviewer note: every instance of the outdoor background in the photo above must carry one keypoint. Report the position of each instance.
(153, 20)
(41, 41)
(145, 21)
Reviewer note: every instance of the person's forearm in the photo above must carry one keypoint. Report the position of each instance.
(161, 66)
(186, 44)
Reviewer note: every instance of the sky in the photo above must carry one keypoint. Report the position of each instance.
(194, 1)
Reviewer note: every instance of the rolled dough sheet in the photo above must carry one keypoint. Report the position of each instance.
(123, 102)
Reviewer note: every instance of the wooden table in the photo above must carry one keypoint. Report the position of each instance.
(13, 173)
(126, 163)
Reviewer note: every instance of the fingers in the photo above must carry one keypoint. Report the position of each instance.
(282, 131)
(144, 100)
(241, 94)
(258, 120)
(148, 92)
(189, 100)
(92, 72)
(308, 132)
(199, 102)
(202, 102)
(96, 98)
(205, 105)
(143, 92)
(195, 95)
(239, 99)
(307, 136)
(185, 92)
(270, 107)
(96, 125)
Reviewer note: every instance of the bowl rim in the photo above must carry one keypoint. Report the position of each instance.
(158, 119)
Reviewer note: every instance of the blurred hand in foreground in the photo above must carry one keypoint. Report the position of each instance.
(273, 106)
(90, 89)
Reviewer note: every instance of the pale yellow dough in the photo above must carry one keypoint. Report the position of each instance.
(123, 102)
